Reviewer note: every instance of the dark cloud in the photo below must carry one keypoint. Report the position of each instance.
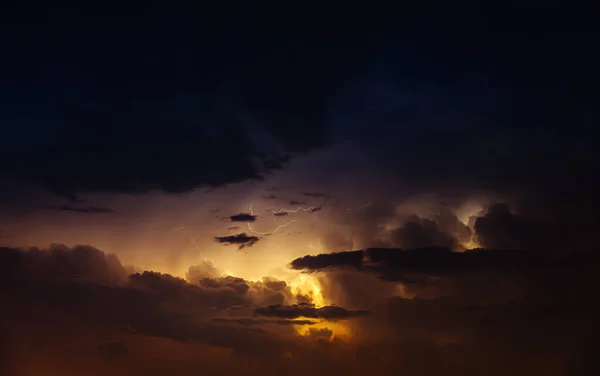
(297, 202)
(233, 228)
(246, 321)
(322, 333)
(400, 264)
(243, 217)
(308, 311)
(418, 232)
(200, 127)
(500, 227)
(113, 350)
(280, 214)
(92, 286)
(271, 197)
(88, 210)
(242, 240)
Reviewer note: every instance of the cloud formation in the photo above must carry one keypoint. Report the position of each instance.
(87, 210)
(243, 217)
(217, 311)
(309, 311)
(242, 240)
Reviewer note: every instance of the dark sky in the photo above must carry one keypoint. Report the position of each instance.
(277, 178)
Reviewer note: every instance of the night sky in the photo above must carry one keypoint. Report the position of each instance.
(288, 190)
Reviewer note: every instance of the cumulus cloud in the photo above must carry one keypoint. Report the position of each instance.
(93, 286)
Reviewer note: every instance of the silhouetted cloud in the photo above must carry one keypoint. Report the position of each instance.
(94, 286)
(232, 228)
(403, 265)
(241, 240)
(309, 311)
(297, 202)
(243, 217)
(246, 321)
(280, 214)
(87, 210)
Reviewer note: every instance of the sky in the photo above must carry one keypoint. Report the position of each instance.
(189, 190)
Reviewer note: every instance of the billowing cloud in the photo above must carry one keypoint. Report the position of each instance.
(93, 286)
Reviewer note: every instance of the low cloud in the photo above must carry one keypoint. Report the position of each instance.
(86, 210)
(246, 321)
(93, 286)
(309, 311)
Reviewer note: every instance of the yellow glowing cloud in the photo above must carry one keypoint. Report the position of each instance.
(304, 284)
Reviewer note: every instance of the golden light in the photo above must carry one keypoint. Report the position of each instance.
(339, 329)
(304, 284)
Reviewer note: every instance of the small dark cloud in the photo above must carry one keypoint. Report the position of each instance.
(243, 217)
(315, 194)
(242, 240)
(270, 197)
(316, 209)
(320, 333)
(112, 350)
(297, 202)
(280, 214)
(231, 228)
(245, 321)
(87, 210)
(309, 311)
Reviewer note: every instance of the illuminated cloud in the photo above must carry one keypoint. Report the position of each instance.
(241, 240)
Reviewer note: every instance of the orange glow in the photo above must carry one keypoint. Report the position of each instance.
(308, 285)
